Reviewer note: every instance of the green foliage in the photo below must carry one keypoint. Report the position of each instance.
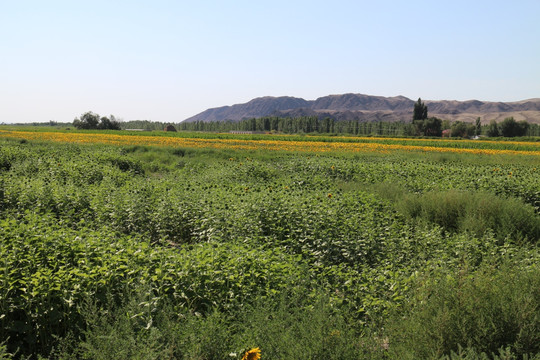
(290, 328)
(493, 129)
(92, 121)
(48, 271)
(427, 127)
(504, 353)
(420, 111)
(462, 211)
(485, 310)
(141, 252)
(4, 354)
(511, 128)
(143, 125)
(461, 129)
(478, 127)
(281, 330)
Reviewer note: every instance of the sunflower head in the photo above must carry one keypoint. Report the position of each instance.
(253, 354)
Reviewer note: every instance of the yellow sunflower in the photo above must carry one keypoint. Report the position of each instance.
(253, 354)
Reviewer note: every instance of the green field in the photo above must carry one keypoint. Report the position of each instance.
(140, 252)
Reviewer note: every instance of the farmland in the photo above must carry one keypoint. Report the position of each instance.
(202, 246)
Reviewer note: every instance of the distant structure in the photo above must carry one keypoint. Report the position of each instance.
(446, 133)
(169, 128)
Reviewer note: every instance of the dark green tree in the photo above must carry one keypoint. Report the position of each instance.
(446, 124)
(420, 111)
(459, 129)
(109, 124)
(88, 120)
(493, 129)
(92, 121)
(471, 130)
(409, 130)
(419, 116)
(510, 127)
(478, 127)
(432, 127)
(522, 128)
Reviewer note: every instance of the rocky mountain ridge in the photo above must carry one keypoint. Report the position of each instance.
(372, 108)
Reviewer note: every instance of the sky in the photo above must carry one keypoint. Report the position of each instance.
(165, 61)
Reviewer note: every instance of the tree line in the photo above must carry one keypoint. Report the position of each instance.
(509, 127)
(298, 125)
(421, 125)
(313, 125)
(432, 126)
(92, 121)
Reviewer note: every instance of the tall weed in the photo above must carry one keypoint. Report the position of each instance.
(473, 212)
(484, 310)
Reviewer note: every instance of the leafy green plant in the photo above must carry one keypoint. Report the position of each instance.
(485, 310)
(462, 211)
(197, 253)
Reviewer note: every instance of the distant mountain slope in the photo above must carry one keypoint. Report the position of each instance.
(258, 107)
(451, 107)
(371, 108)
(359, 102)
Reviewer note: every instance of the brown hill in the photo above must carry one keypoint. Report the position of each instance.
(255, 108)
(359, 102)
(372, 108)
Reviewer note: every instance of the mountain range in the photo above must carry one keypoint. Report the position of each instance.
(372, 108)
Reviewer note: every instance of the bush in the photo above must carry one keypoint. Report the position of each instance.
(295, 325)
(464, 211)
(484, 310)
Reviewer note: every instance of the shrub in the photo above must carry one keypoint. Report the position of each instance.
(464, 211)
(483, 310)
(295, 325)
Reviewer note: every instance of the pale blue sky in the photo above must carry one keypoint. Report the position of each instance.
(168, 60)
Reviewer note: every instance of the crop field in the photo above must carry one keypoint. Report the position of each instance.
(118, 245)
(284, 142)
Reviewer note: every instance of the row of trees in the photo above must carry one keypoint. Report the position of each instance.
(509, 127)
(421, 125)
(299, 125)
(312, 125)
(143, 125)
(92, 121)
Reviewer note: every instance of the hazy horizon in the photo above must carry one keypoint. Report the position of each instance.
(168, 60)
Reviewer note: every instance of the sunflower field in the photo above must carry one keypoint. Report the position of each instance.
(146, 246)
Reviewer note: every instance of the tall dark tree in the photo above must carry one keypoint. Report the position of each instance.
(478, 127)
(493, 129)
(522, 128)
(420, 110)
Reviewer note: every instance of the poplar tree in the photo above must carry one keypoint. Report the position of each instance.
(420, 110)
